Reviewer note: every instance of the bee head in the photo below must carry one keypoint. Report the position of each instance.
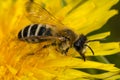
(80, 44)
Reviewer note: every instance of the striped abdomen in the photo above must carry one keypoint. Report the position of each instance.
(31, 32)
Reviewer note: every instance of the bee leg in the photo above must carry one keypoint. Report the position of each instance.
(83, 56)
(62, 51)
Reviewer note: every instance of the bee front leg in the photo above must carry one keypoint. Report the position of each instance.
(63, 48)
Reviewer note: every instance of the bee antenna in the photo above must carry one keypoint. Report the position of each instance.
(90, 49)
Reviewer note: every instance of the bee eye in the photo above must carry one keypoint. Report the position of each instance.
(78, 45)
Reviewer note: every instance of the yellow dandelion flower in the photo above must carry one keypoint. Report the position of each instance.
(20, 60)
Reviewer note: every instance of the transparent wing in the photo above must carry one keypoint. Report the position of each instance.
(37, 14)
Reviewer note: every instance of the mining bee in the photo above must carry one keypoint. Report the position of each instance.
(46, 27)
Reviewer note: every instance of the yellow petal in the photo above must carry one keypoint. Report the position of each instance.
(67, 62)
(104, 48)
(90, 16)
(108, 75)
(99, 36)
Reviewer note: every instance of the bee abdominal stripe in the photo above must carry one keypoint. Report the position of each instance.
(35, 30)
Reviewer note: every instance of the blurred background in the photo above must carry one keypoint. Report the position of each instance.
(112, 25)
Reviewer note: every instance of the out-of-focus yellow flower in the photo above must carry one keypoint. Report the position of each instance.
(26, 61)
